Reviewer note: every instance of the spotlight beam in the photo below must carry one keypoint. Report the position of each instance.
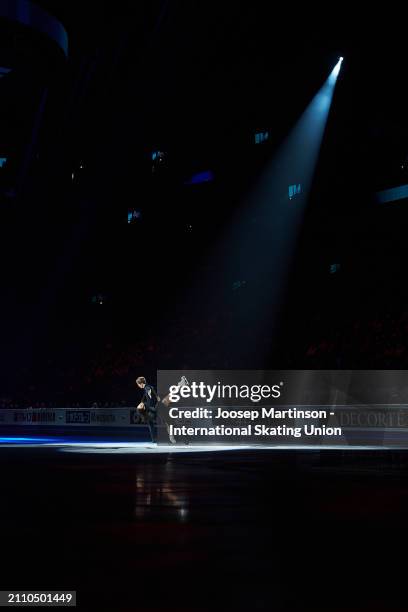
(262, 242)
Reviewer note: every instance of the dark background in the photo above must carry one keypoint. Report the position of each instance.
(195, 80)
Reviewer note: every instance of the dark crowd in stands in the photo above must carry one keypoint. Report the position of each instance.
(104, 374)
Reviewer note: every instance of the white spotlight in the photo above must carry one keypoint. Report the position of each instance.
(335, 71)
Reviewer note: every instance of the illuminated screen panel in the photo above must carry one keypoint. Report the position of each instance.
(392, 195)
